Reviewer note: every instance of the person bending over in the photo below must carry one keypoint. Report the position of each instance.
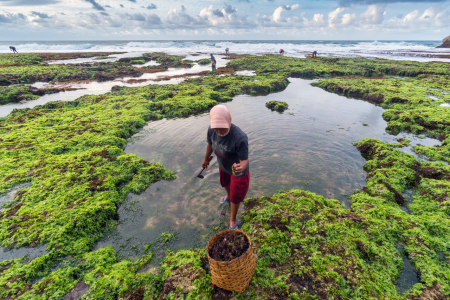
(281, 51)
(230, 144)
(314, 55)
(13, 49)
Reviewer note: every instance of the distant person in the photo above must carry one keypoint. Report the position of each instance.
(314, 55)
(227, 50)
(281, 51)
(13, 49)
(213, 62)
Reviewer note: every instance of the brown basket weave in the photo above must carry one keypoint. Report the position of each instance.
(233, 275)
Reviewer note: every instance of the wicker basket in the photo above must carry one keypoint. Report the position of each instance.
(233, 275)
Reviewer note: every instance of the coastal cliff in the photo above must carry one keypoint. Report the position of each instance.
(445, 43)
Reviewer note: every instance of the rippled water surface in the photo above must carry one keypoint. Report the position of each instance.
(308, 146)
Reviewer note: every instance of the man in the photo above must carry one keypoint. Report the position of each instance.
(227, 50)
(314, 55)
(230, 144)
(13, 49)
(213, 62)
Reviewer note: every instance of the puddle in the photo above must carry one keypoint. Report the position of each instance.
(312, 153)
(98, 88)
(445, 105)
(408, 194)
(433, 97)
(246, 73)
(408, 276)
(31, 253)
(8, 197)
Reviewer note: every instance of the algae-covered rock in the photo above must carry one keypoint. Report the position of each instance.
(279, 106)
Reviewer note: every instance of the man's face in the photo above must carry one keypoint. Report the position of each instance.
(221, 131)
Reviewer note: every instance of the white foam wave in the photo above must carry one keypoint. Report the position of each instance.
(295, 48)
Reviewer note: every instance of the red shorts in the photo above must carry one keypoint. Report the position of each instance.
(238, 185)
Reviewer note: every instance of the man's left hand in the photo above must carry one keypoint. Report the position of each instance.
(238, 169)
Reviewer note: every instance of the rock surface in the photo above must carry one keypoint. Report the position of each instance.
(445, 43)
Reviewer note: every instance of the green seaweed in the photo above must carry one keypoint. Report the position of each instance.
(279, 106)
(204, 61)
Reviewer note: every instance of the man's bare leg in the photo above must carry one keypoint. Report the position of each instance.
(227, 197)
(234, 210)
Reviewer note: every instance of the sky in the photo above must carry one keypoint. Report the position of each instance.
(219, 20)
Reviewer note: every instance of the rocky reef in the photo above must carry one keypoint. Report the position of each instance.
(445, 43)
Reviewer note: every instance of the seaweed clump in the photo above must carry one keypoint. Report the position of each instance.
(204, 61)
(229, 246)
(21, 92)
(279, 106)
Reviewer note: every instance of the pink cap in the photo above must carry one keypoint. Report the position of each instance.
(220, 117)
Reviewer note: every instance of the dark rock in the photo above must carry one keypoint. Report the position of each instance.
(445, 43)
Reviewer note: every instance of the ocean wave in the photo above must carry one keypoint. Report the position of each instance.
(375, 48)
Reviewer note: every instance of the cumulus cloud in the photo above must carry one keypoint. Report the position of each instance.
(28, 2)
(442, 19)
(93, 20)
(334, 18)
(347, 3)
(95, 5)
(229, 10)
(151, 6)
(209, 18)
(153, 21)
(428, 14)
(218, 13)
(11, 18)
(40, 15)
(134, 17)
(374, 14)
(277, 13)
(316, 21)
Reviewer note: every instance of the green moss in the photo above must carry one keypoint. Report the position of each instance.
(104, 57)
(23, 59)
(204, 61)
(279, 106)
(99, 71)
(184, 276)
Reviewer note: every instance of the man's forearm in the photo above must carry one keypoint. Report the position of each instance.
(244, 164)
(209, 151)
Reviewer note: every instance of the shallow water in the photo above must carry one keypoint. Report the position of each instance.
(408, 276)
(98, 88)
(308, 146)
(8, 197)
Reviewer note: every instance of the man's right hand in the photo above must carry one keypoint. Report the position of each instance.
(205, 163)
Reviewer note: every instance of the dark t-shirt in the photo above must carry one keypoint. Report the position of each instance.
(229, 149)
